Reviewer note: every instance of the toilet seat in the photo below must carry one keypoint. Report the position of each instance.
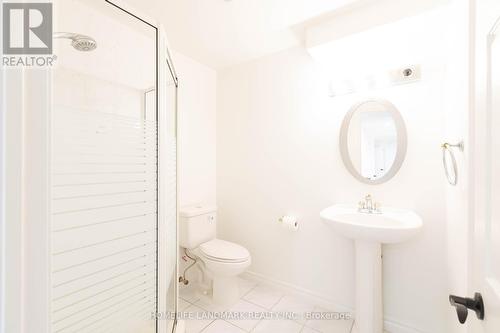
(223, 251)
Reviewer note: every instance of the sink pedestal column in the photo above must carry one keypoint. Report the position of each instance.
(369, 306)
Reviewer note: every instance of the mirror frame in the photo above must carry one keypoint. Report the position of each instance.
(401, 135)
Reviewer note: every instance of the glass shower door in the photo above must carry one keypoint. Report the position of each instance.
(104, 171)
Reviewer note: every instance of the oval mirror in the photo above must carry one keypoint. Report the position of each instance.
(373, 141)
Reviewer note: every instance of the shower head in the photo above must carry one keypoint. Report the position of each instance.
(79, 42)
(84, 43)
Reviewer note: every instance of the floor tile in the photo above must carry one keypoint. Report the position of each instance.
(205, 302)
(182, 304)
(296, 305)
(306, 329)
(277, 326)
(255, 298)
(264, 296)
(194, 325)
(330, 325)
(245, 285)
(189, 293)
(246, 308)
(221, 326)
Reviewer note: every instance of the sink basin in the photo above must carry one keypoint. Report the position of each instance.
(391, 226)
(369, 231)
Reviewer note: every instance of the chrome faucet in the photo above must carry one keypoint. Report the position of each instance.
(369, 202)
(368, 206)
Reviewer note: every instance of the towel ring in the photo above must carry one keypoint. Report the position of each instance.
(447, 149)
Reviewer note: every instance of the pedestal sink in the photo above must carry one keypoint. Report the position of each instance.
(369, 231)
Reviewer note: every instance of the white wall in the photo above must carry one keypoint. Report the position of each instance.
(196, 134)
(196, 125)
(277, 153)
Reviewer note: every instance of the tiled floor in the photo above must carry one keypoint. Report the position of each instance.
(256, 298)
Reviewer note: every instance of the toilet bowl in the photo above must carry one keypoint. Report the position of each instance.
(222, 261)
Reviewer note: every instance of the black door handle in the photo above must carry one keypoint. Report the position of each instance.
(463, 305)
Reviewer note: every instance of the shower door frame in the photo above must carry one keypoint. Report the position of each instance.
(26, 222)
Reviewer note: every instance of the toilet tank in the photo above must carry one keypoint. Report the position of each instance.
(197, 225)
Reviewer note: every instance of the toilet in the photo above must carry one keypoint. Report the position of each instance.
(223, 261)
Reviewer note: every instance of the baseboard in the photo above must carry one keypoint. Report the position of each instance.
(394, 327)
(390, 325)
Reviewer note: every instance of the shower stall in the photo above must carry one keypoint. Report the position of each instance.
(99, 177)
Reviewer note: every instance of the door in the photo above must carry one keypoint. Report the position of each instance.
(485, 265)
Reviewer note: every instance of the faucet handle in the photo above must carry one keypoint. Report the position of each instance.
(376, 206)
(361, 205)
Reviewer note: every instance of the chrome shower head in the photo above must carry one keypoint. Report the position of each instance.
(79, 42)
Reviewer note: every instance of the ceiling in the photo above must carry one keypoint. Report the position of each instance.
(221, 33)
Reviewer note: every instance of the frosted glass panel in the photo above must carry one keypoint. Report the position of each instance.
(104, 170)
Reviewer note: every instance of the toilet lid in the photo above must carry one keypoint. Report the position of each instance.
(221, 250)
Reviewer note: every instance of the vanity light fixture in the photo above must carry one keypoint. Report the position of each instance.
(374, 80)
